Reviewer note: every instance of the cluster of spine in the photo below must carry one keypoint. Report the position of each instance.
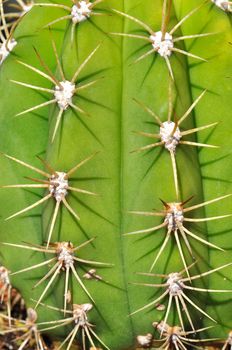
(58, 185)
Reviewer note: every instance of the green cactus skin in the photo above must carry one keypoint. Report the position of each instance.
(124, 180)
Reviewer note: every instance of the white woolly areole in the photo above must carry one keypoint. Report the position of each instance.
(58, 185)
(65, 255)
(174, 216)
(80, 313)
(163, 47)
(171, 332)
(64, 93)
(175, 338)
(224, 5)
(4, 276)
(6, 48)
(27, 7)
(175, 285)
(145, 340)
(166, 134)
(230, 338)
(31, 316)
(81, 12)
(161, 326)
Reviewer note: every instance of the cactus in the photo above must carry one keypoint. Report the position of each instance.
(106, 108)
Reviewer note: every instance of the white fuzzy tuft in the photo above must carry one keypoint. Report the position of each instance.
(174, 216)
(145, 340)
(163, 47)
(169, 138)
(65, 255)
(224, 5)
(6, 48)
(80, 313)
(64, 94)
(4, 276)
(175, 285)
(27, 7)
(58, 185)
(81, 12)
